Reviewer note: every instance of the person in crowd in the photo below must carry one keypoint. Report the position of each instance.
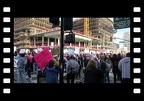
(92, 74)
(115, 69)
(108, 68)
(86, 61)
(51, 72)
(105, 69)
(28, 68)
(78, 75)
(35, 66)
(21, 69)
(72, 68)
(30, 58)
(97, 63)
(82, 60)
(124, 67)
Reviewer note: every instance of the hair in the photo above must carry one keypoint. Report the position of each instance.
(22, 55)
(16, 53)
(91, 65)
(51, 63)
(107, 57)
(128, 54)
(114, 55)
(72, 57)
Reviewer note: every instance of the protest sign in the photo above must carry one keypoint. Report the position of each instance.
(42, 59)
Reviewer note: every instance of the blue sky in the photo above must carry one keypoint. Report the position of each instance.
(120, 33)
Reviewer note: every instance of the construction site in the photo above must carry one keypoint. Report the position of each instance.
(97, 27)
(94, 34)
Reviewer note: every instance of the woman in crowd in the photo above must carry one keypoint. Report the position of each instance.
(21, 69)
(51, 72)
(92, 74)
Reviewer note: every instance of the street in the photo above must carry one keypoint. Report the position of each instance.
(32, 80)
(82, 75)
(77, 80)
(42, 79)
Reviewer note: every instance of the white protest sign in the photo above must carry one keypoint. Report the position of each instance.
(86, 51)
(39, 49)
(77, 50)
(22, 51)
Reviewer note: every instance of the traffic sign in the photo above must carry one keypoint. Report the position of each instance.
(120, 23)
(121, 41)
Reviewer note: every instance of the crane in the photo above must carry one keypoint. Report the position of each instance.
(86, 26)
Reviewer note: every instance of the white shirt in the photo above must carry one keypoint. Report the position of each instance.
(124, 67)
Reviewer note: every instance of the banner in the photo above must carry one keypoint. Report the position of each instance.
(70, 51)
(22, 51)
(77, 50)
(39, 49)
(42, 59)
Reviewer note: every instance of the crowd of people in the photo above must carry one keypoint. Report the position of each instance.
(95, 67)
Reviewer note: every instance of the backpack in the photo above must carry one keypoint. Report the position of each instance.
(73, 68)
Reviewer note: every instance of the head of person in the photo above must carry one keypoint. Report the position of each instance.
(91, 65)
(102, 58)
(51, 63)
(22, 54)
(72, 57)
(107, 58)
(114, 55)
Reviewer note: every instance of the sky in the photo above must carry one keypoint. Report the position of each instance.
(120, 33)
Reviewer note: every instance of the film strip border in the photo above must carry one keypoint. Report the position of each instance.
(137, 40)
(7, 50)
(7, 60)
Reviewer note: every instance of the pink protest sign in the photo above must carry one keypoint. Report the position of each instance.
(43, 58)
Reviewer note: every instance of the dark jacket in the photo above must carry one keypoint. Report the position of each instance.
(93, 76)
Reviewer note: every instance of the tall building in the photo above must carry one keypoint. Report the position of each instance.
(24, 28)
(126, 37)
(98, 27)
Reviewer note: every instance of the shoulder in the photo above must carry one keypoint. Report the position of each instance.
(122, 59)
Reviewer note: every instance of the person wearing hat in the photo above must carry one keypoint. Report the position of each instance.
(21, 68)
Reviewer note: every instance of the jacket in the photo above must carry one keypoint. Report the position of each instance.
(93, 76)
(51, 75)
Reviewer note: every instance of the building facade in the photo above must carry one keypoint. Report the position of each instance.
(98, 27)
(33, 33)
(24, 28)
(126, 37)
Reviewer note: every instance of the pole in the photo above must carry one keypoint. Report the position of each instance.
(122, 39)
(61, 48)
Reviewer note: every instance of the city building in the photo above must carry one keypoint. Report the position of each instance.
(33, 33)
(126, 38)
(98, 27)
(25, 27)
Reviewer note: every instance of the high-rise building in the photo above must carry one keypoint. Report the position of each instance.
(126, 37)
(98, 27)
